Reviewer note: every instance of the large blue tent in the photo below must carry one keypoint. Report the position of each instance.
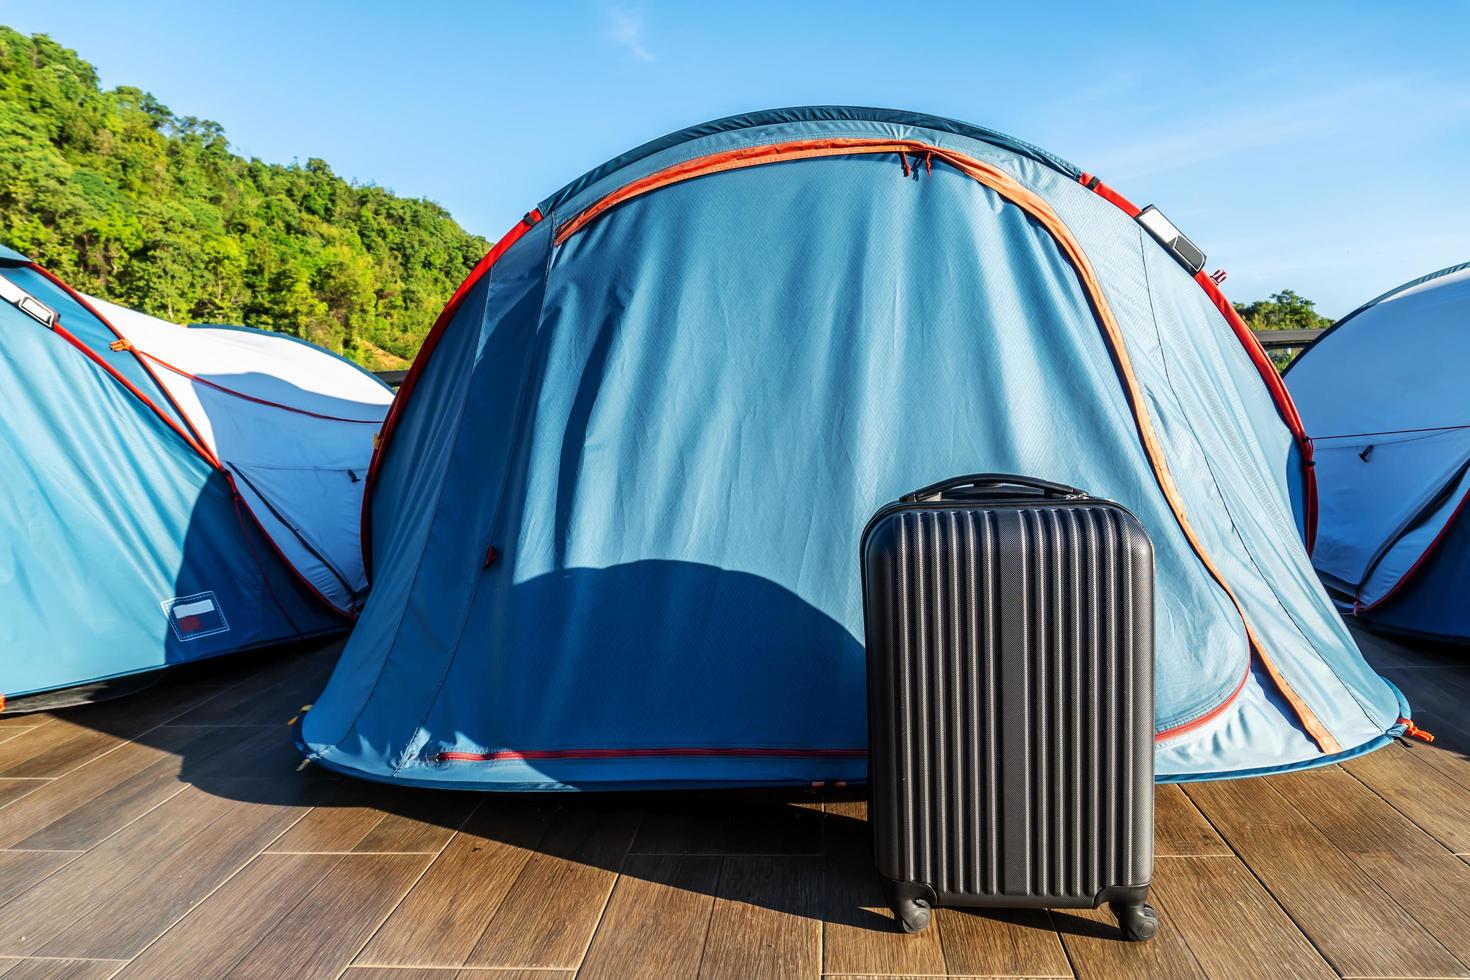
(1385, 398)
(162, 488)
(613, 523)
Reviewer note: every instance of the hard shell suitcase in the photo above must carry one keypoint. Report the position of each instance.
(1010, 700)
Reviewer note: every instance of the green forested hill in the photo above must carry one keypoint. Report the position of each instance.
(124, 199)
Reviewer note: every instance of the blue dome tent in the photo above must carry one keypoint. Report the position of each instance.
(613, 524)
(170, 493)
(1385, 398)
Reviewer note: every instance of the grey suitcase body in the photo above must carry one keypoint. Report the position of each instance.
(1010, 675)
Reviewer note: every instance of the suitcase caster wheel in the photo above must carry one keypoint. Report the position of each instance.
(1138, 922)
(913, 914)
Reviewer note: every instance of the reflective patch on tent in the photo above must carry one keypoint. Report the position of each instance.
(195, 616)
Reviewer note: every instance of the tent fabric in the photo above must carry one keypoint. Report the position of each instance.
(613, 525)
(292, 423)
(1384, 398)
(133, 541)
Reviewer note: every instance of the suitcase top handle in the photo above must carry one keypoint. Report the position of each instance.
(989, 484)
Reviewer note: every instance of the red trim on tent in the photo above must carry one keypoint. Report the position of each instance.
(1267, 370)
(198, 441)
(238, 394)
(417, 368)
(1208, 716)
(193, 441)
(1420, 561)
(530, 755)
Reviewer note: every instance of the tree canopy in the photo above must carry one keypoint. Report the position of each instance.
(1283, 311)
(124, 199)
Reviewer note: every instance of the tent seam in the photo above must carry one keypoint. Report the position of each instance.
(1224, 504)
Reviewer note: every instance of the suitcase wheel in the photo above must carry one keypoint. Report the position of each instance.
(1139, 922)
(912, 914)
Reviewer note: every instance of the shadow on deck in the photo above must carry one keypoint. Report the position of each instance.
(175, 833)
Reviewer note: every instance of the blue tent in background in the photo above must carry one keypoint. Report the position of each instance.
(613, 525)
(141, 522)
(1386, 399)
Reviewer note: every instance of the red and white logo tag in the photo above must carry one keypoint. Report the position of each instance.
(195, 616)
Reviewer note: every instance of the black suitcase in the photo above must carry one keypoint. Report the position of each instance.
(1010, 700)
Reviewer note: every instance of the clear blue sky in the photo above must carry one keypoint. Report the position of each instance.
(1322, 147)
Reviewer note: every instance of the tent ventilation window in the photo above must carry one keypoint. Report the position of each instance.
(1167, 235)
(26, 303)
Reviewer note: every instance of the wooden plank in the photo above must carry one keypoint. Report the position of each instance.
(725, 824)
(1179, 827)
(324, 931)
(11, 731)
(428, 973)
(1359, 928)
(1000, 943)
(36, 916)
(370, 818)
(13, 789)
(443, 917)
(767, 920)
(1096, 949)
(59, 797)
(1434, 799)
(656, 919)
(213, 937)
(143, 909)
(36, 969)
(272, 697)
(1231, 924)
(19, 870)
(85, 733)
(1429, 882)
(860, 934)
(549, 915)
(115, 807)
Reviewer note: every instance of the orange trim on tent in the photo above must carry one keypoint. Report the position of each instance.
(1013, 191)
(1262, 361)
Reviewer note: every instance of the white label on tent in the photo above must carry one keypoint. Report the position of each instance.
(194, 616)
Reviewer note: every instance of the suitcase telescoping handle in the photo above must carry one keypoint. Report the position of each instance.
(990, 484)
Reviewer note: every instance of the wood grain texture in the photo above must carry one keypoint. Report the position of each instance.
(1425, 879)
(1232, 926)
(354, 897)
(549, 915)
(1358, 926)
(1000, 943)
(1425, 793)
(19, 870)
(212, 938)
(13, 789)
(1096, 950)
(767, 920)
(44, 969)
(442, 918)
(140, 911)
(36, 916)
(1179, 827)
(656, 920)
(425, 973)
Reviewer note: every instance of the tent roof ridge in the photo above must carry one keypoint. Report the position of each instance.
(818, 113)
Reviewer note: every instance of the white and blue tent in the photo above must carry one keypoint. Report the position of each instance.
(169, 493)
(1385, 397)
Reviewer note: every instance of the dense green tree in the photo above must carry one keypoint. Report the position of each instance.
(116, 194)
(1285, 310)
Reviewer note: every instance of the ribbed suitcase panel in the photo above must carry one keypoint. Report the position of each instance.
(1010, 652)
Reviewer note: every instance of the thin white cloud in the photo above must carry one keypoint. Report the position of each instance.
(626, 31)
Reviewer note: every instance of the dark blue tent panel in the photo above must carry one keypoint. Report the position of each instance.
(1386, 401)
(615, 519)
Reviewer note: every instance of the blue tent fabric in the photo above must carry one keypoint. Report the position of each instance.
(124, 549)
(1384, 398)
(614, 536)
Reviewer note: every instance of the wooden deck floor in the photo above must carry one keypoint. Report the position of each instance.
(171, 835)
